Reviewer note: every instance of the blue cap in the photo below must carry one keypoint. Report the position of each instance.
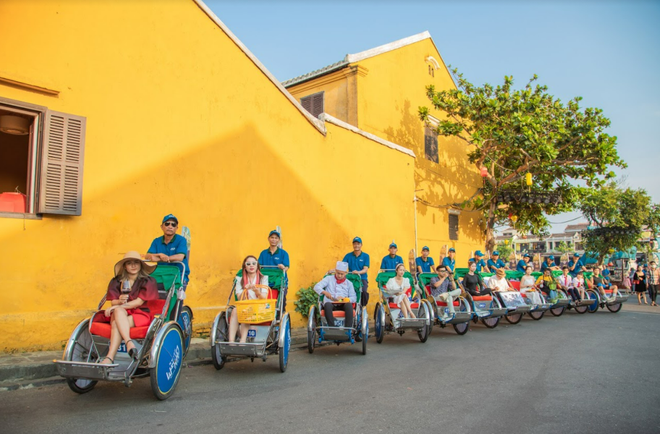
(606, 272)
(496, 253)
(550, 257)
(471, 260)
(576, 255)
(451, 249)
(526, 255)
(357, 240)
(393, 245)
(425, 248)
(478, 253)
(170, 217)
(274, 232)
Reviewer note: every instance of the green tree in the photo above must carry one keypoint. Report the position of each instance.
(510, 133)
(564, 249)
(505, 250)
(618, 217)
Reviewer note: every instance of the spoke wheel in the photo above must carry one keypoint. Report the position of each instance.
(379, 321)
(514, 318)
(364, 329)
(614, 308)
(424, 332)
(536, 315)
(311, 333)
(82, 350)
(593, 307)
(221, 332)
(491, 322)
(284, 342)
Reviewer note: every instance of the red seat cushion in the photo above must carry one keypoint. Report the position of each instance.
(442, 303)
(412, 306)
(105, 328)
(515, 284)
(482, 298)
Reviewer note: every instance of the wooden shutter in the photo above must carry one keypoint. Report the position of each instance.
(60, 186)
(453, 227)
(431, 145)
(313, 103)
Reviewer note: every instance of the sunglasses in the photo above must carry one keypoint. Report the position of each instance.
(172, 224)
(250, 263)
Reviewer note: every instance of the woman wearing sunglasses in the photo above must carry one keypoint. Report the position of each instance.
(256, 285)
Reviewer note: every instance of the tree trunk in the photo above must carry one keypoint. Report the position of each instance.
(490, 226)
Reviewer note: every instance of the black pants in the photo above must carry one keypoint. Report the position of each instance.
(346, 307)
(364, 298)
(484, 291)
(653, 292)
(574, 293)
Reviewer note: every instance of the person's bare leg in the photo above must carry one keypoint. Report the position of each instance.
(233, 326)
(115, 341)
(244, 328)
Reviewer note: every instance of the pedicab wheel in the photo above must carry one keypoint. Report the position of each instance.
(379, 323)
(364, 329)
(491, 322)
(424, 332)
(536, 315)
(614, 308)
(168, 358)
(81, 349)
(558, 311)
(581, 309)
(311, 331)
(284, 342)
(593, 307)
(185, 322)
(221, 332)
(514, 318)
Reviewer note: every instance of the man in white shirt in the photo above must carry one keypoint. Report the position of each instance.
(337, 288)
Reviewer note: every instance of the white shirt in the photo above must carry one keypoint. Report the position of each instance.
(336, 290)
(251, 281)
(498, 284)
(526, 283)
(566, 281)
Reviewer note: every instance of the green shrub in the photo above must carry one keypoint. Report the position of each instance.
(306, 298)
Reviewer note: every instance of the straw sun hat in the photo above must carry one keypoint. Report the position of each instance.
(134, 256)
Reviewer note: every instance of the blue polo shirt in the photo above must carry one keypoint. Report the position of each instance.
(494, 265)
(545, 266)
(449, 263)
(389, 263)
(177, 245)
(521, 266)
(273, 259)
(577, 268)
(481, 263)
(357, 263)
(427, 266)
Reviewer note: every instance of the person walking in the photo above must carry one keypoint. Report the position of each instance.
(639, 284)
(653, 282)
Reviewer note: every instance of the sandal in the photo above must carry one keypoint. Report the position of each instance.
(100, 362)
(133, 352)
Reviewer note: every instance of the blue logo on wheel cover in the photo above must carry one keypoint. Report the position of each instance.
(169, 360)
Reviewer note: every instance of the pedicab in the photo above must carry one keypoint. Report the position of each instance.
(557, 297)
(161, 346)
(270, 330)
(440, 312)
(613, 302)
(318, 330)
(388, 317)
(486, 308)
(587, 303)
(536, 310)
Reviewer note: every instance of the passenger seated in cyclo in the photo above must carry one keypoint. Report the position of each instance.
(602, 284)
(443, 288)
(527, 286)
(498, 282)
(337, 289)
(578, 284)
(250, 286)
(566, 283)
(547, 284)
(397, 289)
(473, 283)
(127, 292)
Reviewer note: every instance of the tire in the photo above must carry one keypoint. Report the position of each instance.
(491, 323)
(614, 308)
(185, 321)
(424, 332)
(581, 309)
(168, 360)
(593, 307)
(221, 332)
(537, 315)
(379, 323)
(364, 330)
(559, 311)
(514, 318)
(284, 342)
(463, 328)
(311, 331)
(81, 349)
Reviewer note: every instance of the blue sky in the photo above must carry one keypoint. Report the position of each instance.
(607, 52)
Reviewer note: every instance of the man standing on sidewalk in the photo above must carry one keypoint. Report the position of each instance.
(653, 279)
(359, 263)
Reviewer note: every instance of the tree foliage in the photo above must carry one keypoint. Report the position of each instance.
(510, 132)
(505, 249)
(619, 217)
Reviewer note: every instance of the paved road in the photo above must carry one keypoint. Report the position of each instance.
(591, 373)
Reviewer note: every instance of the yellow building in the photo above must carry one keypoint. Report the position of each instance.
(380, 91)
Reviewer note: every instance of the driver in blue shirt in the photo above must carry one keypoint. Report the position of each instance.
(522, 264)
(549, 263)
(359, 263)
(424, 263)
(389, 262)
(481, 264)
(575, 265)
(274, 256)
(450, 260)
(171, 247)
(495, 262)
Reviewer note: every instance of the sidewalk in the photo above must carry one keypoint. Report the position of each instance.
(24, 370)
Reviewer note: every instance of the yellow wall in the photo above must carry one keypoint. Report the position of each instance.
(179, 121)
(390, 89)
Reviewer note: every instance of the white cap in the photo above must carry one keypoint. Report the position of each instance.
(341, 266)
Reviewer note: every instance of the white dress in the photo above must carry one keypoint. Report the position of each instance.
(396, 291)
(527, 283)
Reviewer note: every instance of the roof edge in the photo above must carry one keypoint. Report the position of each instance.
(319, 125)
(333, 120)
(388, 47)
